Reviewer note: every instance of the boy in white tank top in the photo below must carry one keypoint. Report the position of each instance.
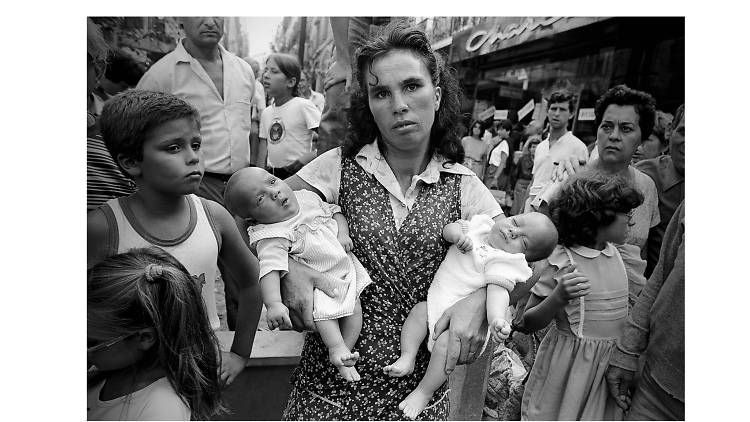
(155, 139)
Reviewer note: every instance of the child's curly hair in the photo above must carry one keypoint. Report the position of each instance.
(590, 200)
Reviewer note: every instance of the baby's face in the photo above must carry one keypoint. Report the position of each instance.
(265, 198)
(522, 233)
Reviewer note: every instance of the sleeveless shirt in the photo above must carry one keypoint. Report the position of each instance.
(197, 248)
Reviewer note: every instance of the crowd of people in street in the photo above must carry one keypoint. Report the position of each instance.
(369, 216)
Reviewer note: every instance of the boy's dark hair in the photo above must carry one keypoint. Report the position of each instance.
(643, 103)
(590, 200)
(128, 117)
(444, 136)
(506, 124)
(562, 96)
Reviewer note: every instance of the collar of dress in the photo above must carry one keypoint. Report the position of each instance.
(373, 162)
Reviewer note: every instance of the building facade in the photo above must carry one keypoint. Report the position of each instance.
(507, 66)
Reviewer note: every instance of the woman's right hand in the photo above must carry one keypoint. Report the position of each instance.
(571, 284)
(297, 293)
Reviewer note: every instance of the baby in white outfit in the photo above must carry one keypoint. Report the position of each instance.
(484, 253)
(299, 224)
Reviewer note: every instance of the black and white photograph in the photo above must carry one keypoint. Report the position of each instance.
(292, 216)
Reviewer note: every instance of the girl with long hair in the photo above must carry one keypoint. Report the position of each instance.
(154, 354)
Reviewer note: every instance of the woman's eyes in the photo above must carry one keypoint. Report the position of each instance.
(385, 94)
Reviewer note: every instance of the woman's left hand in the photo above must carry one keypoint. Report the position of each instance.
(466, 322)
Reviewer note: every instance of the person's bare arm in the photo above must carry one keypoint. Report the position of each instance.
(540, 311)
(277, 314)
(500, 167)
(97, 232)
(341, 69)
(466, 322)
(498, 299)
(455, 233)
(239, 265)
(297, 293)
(343, 232)
(260, 160)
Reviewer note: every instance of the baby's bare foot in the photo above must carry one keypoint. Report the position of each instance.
(414, 403)
(342, 356)
(349, 373)
(400, 368)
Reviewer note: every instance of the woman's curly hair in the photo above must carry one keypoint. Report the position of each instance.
(444, 136)
(588, 201)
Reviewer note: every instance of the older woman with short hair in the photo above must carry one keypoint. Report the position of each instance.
(624, 118)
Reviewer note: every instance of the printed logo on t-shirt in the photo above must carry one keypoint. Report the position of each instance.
(276, 132)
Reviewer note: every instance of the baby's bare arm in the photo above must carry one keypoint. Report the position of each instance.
(343, 232)
(453, 232)
(341, 222)
(498, 299)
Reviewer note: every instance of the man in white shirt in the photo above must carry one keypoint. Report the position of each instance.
(220, 86)
(560, 145)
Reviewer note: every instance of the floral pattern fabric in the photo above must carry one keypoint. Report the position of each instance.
(402, 264)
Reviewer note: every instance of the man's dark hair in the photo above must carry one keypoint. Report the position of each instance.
(562, 96)
(506, 124)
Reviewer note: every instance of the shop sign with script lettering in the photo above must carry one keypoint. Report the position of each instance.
(500, 33)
